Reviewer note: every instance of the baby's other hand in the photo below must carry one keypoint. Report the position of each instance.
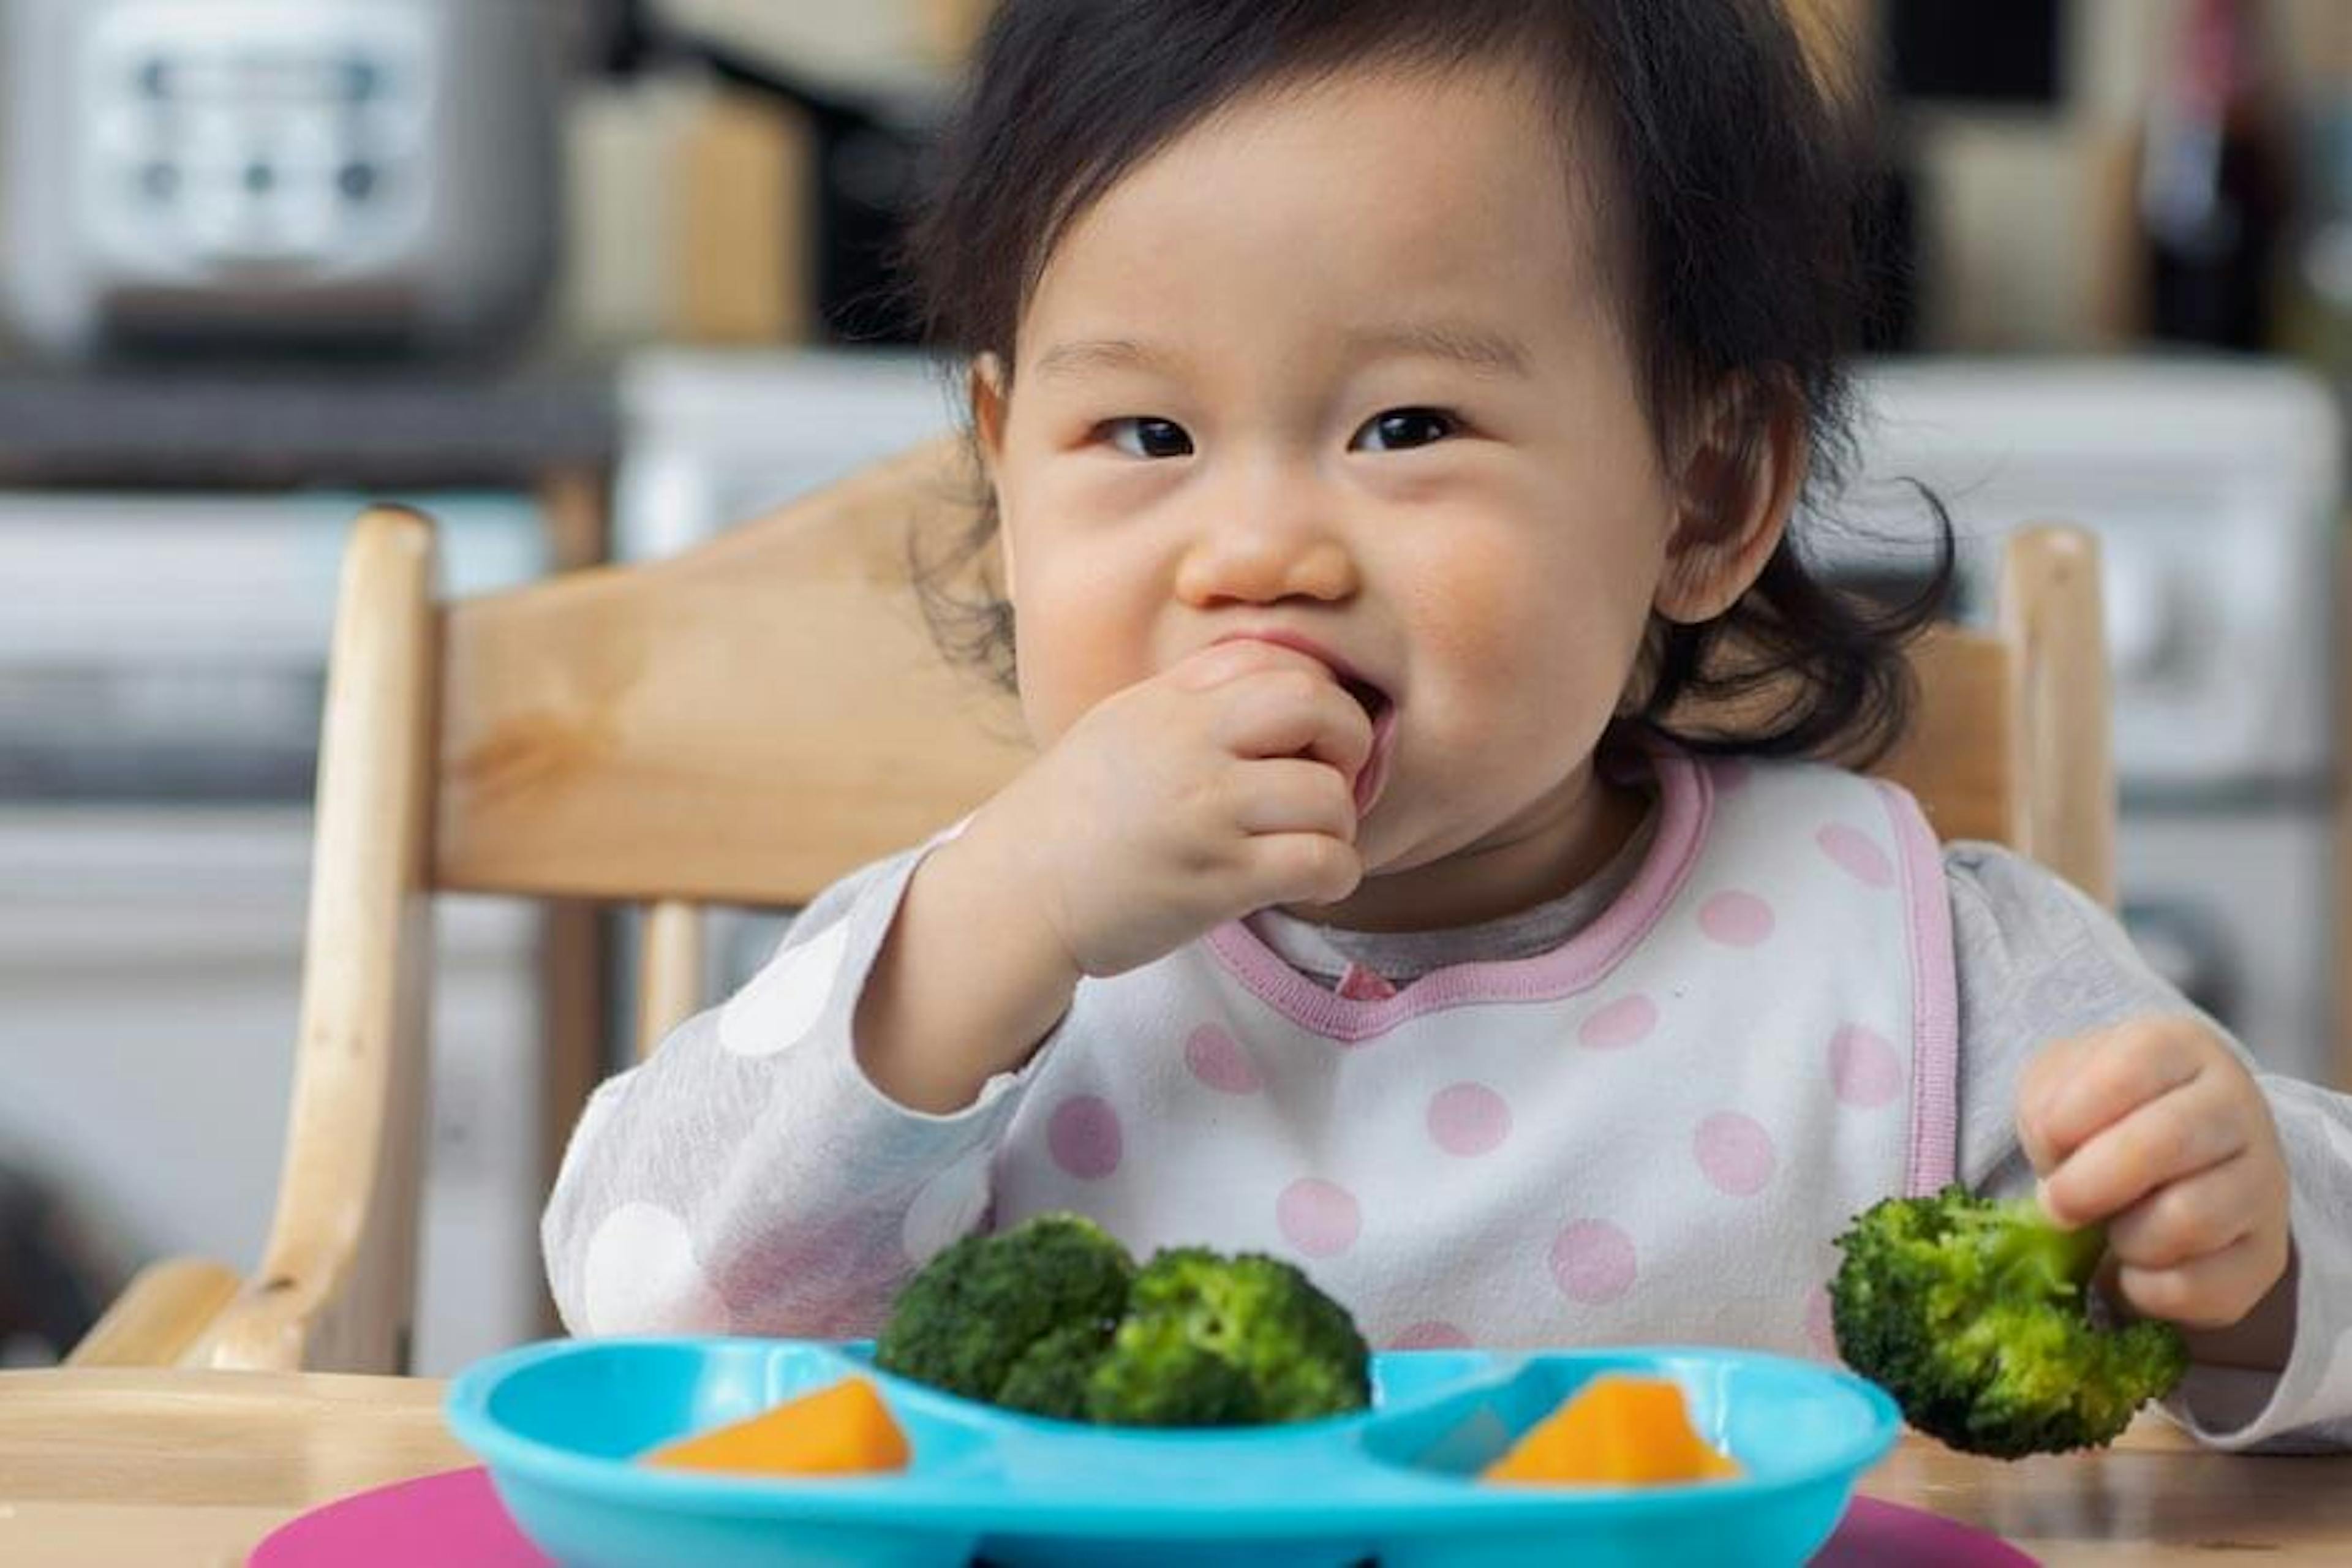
(2155, 1129)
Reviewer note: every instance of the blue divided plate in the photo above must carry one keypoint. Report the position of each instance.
(558, 1422)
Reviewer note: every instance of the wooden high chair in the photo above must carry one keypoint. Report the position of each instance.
(743, 724)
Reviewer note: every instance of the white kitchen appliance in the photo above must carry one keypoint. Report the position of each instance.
(315, 174)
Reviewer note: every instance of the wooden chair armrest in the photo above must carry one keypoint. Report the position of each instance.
(272, 1324)
(336, 1277)
(164, 1310)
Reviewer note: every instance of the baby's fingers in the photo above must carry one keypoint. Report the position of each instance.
(2078, 1086)
(2187, 1220)
(1291, 794)
(2188, 1129)
(1301, 869)
(1294, 712)
(2209, 1292)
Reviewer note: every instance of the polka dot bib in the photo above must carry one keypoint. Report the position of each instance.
(1649, 1133)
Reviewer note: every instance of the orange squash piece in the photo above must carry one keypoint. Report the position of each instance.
(844, 1429)
(1617, 1430)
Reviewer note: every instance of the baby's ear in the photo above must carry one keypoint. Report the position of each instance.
(1735, 489)
(985, 390)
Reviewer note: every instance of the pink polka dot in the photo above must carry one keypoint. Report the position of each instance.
(1218, 1061)
(1593, 1262)
(1863, 1069)
(1735, 919)
(1319, 1217)
(1468, 1119)
(812, 1274)
(1623, 1022)
(1736, 1153)
(1084, 1137)
(1820, 1329)
(1856, 852)
(1434, 1334)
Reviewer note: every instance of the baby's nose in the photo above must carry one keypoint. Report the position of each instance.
(1267, 557)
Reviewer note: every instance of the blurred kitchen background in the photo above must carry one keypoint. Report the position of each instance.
(593, 279)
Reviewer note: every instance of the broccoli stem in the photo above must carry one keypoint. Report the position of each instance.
(2031, 1253)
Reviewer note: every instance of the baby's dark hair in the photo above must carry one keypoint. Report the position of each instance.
(1733, 197)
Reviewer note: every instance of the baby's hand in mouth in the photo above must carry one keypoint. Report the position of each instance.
(1380, 709)
(1234, 780)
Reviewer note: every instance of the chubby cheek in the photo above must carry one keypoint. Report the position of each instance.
(1073, 649)
(1514, 666)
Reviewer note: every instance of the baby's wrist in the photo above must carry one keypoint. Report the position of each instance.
(958, 992)
(996, 901)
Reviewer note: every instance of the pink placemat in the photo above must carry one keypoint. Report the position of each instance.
(1875, 1532)
(455, 1519)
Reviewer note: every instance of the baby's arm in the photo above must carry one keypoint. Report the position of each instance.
(748, 1177)
(2037, 963)
(785, 1161)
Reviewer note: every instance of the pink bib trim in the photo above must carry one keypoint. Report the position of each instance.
(1687, 802)
(1935, 1000)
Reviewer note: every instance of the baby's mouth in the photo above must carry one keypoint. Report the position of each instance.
(1370, 698)
(1381, 709)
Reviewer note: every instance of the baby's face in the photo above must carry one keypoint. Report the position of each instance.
(1340, 364)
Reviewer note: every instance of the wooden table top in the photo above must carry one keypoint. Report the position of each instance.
(167, 1467)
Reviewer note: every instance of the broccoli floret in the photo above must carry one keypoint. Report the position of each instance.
(1156, 1375)
(973, 1311)
(1975, 1315)
(1296, 1348)
(1050, 1378)
(1053, 1318)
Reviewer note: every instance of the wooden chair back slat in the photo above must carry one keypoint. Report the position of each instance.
(740, 724)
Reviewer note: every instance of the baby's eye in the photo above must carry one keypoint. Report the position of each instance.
(1404, 427)
(1143, 437)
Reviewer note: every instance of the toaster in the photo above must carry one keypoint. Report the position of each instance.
(368, 176)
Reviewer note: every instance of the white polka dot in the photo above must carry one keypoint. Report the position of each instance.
(946, 1209)
(784, 1000)
(641, 1277)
